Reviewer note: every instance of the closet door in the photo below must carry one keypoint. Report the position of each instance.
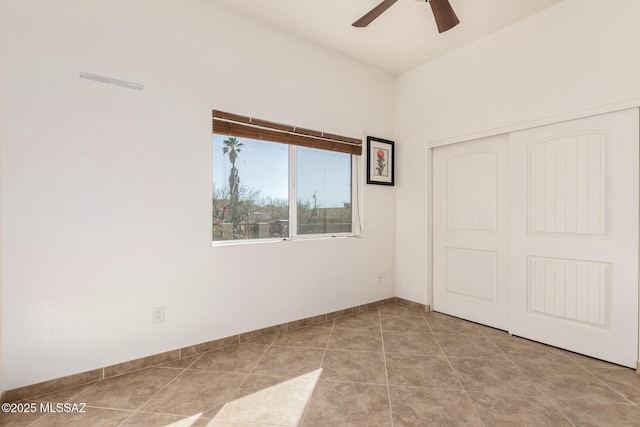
(470, 230)
(573, 235)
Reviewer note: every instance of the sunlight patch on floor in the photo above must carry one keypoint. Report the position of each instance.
(192, 421)
(281, 404)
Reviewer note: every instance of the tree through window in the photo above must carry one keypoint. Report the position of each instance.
(258, 172)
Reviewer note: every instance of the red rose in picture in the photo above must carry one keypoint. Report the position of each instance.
(382, 163)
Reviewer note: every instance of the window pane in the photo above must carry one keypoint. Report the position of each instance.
(324, 191)
(250, 189)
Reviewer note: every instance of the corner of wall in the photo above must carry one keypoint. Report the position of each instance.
(1, 226)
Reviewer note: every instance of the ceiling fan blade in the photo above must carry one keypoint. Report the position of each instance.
(445, 17)
(374, 13)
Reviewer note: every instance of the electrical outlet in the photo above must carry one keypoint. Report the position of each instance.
(157, 315)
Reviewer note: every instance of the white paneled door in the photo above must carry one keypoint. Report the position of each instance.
(470, 227)
(536, 232)
(574, 235)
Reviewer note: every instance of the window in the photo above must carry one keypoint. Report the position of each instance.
(260, 168)
(323, 191)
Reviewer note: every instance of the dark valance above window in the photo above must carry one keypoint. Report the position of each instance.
(247, 127)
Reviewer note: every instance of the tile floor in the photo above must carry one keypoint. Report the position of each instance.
(392, 366)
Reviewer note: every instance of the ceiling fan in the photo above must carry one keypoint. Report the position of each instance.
(445, 17)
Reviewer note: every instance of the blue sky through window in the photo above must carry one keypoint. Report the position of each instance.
(264, 165)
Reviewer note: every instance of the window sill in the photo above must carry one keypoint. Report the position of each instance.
(288, 239)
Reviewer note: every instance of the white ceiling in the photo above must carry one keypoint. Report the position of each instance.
(402, 38)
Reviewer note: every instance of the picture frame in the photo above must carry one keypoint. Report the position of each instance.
(380, 161)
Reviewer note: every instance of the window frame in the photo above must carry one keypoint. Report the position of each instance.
(293, 225)
(329, 142)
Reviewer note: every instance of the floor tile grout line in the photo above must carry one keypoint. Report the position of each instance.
(354, 329)
(386, 371)
(77, 394)
(110, 408)
(196, 359)
(36, 420)
(473, 405)
(299, 346)
(355, 382)
(237, 372)
(247, 375)
(606, 384)
(592, 373)
(135, 411)
(533, 383)
(89, 385)
(231, 395)
(584, 368)
(89, 406)
(125, 420)
(350, 351)
(172, 415)
(326, 347)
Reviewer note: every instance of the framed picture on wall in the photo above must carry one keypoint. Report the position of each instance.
(380, 159)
